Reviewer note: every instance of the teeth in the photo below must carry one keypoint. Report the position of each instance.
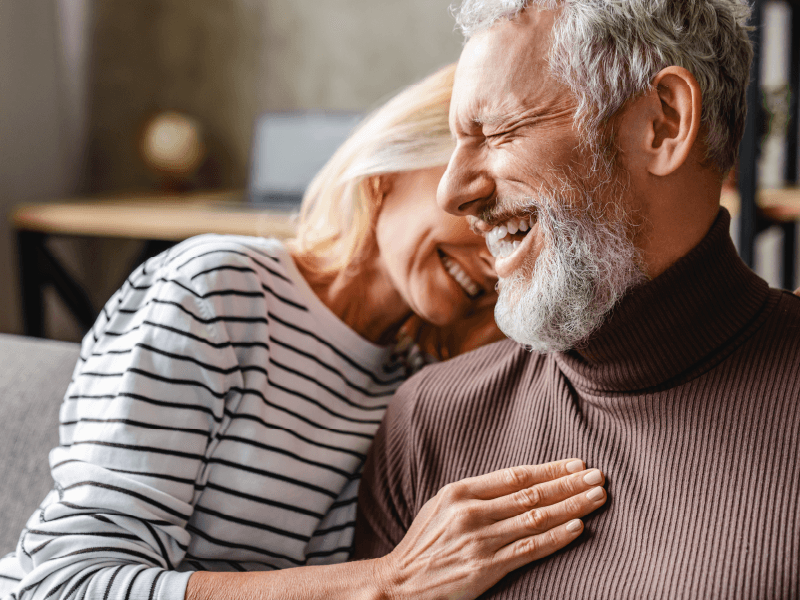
(464, 280)
(500, 247)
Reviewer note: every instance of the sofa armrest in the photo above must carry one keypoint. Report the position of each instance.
(34, 375)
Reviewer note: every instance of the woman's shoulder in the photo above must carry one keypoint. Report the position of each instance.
(212, 251)
(212, 263)
(206, 278)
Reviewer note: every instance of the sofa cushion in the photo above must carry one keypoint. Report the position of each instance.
(34, 375)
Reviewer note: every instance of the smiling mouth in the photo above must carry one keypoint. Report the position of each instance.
(506, 237)
(470, 287)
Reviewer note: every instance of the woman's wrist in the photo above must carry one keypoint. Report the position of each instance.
(386, 585)
(360, 580)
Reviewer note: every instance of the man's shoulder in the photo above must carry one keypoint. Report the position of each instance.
(788, 304)
(492, 361)
(467, 382)
(782, 324)
(765, 363)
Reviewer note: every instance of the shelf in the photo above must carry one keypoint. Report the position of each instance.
(779, 205)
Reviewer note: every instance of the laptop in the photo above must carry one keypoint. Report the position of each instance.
(288, 149)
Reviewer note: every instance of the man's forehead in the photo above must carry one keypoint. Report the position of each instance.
(503, 67)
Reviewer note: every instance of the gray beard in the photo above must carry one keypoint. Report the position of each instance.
(555, 301)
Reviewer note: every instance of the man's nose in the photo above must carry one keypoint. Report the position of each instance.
(464, 188)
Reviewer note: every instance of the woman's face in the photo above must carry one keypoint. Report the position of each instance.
(439, 268)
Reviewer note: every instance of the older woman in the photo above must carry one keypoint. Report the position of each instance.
(217, 421)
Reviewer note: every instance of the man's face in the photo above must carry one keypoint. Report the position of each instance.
(513, 124)
(551, 209)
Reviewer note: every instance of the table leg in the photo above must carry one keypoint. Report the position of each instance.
(38, 268)
(31, 282)
(789, 249)
(73, 295)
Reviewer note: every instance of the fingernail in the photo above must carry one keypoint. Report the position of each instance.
(574, 525)
(595, 494)
(574, 466)
(593, 477)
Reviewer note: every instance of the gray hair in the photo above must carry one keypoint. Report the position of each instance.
(608, 51)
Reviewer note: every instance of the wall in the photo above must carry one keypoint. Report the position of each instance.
(42, 113)
(80, 77)
(225, 62)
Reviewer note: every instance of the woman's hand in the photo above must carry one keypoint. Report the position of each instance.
(464, 540)
(475, 531)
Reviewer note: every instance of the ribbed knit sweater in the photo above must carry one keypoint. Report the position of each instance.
(687, 398)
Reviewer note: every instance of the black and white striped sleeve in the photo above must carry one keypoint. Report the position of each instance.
(140, 418)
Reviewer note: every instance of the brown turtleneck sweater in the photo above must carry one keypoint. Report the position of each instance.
(687, 398)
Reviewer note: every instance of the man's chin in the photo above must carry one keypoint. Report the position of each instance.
(540, 336)
(548, 318)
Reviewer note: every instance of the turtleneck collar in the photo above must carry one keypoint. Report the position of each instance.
(673, 325)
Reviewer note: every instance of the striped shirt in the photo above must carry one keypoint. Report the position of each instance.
(218, 419)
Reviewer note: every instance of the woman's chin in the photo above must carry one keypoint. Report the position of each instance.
(438, 318)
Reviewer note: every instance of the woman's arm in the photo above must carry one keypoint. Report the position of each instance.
(145, 405)
(464, 540)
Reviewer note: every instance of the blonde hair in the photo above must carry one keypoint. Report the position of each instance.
(408, 133)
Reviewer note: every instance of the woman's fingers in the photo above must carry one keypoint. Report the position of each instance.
(540, 521)
(544, 494)
(523, 551)
(513, 479)
(548, 529)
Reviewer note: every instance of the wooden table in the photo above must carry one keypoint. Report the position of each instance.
(159, 220)
(779, 205)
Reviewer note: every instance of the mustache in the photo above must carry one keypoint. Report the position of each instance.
(501, 210)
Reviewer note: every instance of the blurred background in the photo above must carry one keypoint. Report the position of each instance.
(81, 79)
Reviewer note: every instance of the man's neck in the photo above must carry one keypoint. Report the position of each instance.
(678, 213)
(667, 328)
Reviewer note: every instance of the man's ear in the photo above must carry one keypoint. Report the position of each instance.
(663, 125)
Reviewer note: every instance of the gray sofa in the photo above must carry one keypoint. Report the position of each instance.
(34, 375)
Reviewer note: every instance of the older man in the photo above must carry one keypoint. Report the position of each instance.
(592, 139)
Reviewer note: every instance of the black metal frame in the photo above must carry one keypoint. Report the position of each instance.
(39, 269)
(752, 221)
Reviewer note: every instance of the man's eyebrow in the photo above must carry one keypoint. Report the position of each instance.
(479, 121)
(488, 119)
